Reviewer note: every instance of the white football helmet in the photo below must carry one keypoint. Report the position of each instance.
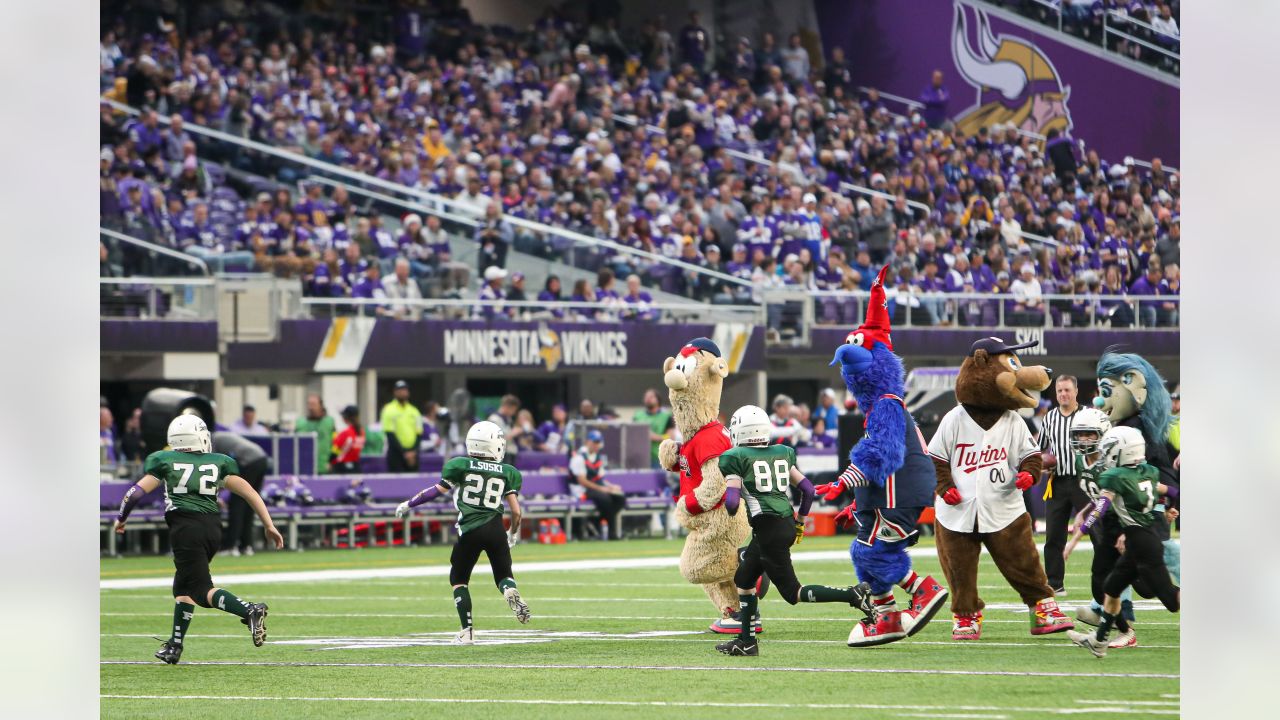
(1087, 428)
(1122, 446)
(189, 433)
(750, 425)
(486, 440)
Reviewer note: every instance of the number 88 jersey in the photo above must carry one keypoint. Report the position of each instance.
(191, 480)
(766, 477)
(479, 488)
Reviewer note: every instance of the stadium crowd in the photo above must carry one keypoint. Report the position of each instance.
(1156, 26)
(635, 139)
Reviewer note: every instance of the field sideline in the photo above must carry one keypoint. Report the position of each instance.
(365, 633)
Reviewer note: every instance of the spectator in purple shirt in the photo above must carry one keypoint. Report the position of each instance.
(638, 301)
(551, 294)
(551, 436)
(1148, 284)
(582, 294)
(693, 43)
(935, 99)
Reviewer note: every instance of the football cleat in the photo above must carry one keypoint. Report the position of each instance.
(731, 625)
(1046, 618)
(966, 626)
(1089, 641)
(1125, 640)
(738, 646)
(257, 622)
(926, 601)
(169, 652)
(1088, 616)
(517, 605)
(883, 629)
(465, 636)
(863, 599)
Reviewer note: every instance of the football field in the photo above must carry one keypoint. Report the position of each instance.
(616, 632)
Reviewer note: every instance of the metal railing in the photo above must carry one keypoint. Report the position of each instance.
(432, 203)
(141, 298)
(792, 312)
(533, 310)
(154, 249)
(1108, 28)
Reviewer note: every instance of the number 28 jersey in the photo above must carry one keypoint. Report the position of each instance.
(479, 488)
(766, 477)
(191, 481)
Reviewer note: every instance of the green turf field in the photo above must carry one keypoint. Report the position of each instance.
(603, 642)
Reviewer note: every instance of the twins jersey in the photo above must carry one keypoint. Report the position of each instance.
(483, 484)
(766, 477)
(191, 481)
(984, 467)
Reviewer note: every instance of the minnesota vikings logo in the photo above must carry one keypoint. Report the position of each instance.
(549, 347)
(1016, 83)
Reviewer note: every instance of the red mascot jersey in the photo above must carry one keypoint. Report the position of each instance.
(709, 442)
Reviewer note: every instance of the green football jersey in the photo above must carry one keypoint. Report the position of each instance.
(191, 481)
(1088, 475)
(1136, 493)
(480, 486)
(766, 477)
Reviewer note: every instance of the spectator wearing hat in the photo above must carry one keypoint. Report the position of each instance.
(401, 291)
(348, 444)
(588, 468)
(247, 423)
(1028, 298)
(402, 425)
(491, 293)
(515, 288)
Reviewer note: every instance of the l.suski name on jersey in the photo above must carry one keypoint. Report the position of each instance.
(970, 459)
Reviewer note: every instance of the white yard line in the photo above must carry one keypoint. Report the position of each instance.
(697, 637)
(622, 703)
(442, 570)
(537, 615)
(669, 668)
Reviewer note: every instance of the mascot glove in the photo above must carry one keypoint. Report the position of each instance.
(853, 477)
(829, 491)
(1024, 481)
(844, 518)
(952, 496)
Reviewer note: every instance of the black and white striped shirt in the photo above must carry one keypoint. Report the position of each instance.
(1055, 436)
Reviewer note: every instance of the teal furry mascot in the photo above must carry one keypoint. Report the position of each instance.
(1132, 393)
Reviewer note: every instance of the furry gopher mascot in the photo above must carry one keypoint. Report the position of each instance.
(710, 555)
(985, 457)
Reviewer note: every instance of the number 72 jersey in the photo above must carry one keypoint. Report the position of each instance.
(191, 481)
(479, 488)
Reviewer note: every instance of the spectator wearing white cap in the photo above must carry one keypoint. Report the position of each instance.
(1027, 295)
(414, 247)
(810, 228)
(490, 293)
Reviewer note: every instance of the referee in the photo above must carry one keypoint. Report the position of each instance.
(1063, 495)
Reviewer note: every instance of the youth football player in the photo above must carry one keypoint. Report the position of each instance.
(1129, 488)
(191, 475)
(1087, 429)
(484, 481)
(760, 476)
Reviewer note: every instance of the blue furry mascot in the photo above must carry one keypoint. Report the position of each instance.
(892, 478)
(1132, 393)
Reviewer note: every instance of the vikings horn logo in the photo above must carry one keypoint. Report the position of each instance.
(548, 347)
(1015, 82)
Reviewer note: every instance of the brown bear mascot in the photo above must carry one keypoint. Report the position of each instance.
(710, 557)
(985, 457)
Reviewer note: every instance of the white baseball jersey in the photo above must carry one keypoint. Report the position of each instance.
(984, 467)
